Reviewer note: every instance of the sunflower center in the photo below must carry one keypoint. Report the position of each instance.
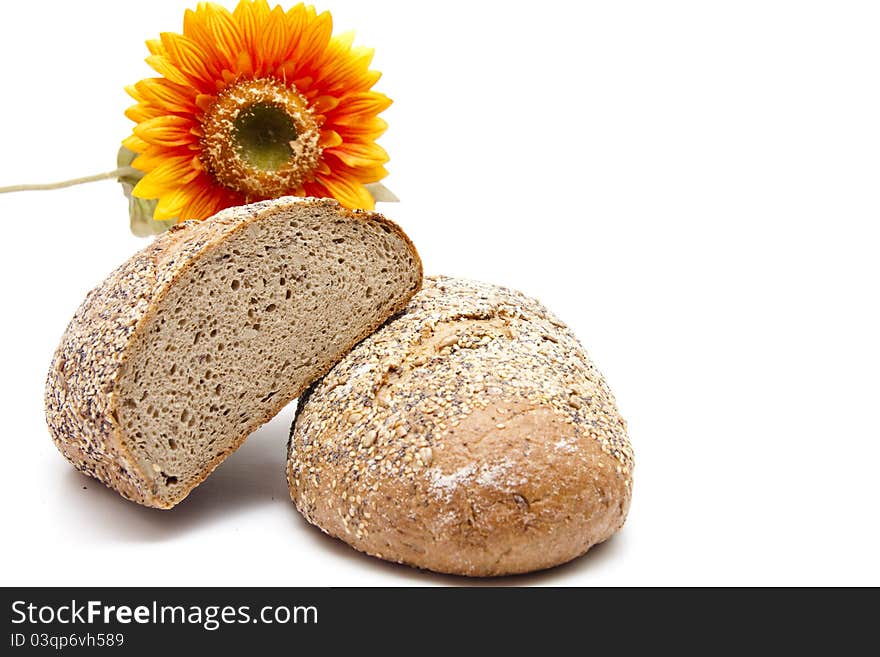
(263, 134)
(260, 139)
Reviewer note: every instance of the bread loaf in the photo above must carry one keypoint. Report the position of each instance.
(208, 332)
(471, 434)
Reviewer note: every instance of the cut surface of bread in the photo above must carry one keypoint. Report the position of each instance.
(471, 435)
(210, 331)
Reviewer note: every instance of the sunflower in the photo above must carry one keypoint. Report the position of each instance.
(255, 104)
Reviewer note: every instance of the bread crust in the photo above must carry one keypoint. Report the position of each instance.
(80, 399)
(470, 435)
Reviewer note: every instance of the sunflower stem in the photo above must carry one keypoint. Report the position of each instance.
(107, 175)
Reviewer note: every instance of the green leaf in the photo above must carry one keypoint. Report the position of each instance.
(140, 211)
(124, 158)
(380, 193)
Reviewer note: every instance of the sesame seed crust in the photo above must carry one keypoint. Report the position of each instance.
(470, 435)
(80, 399)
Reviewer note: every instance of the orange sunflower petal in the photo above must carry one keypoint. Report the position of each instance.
(325, 103)
(172, 202)
(224, 30)
(174, 172)
(189, 59)
(155, 47)
(212, 28)
(317, 29)
(139, 112)
(349, 193)
(245, 64)
(201, 205)
(204, 101)
(369, 174)
(152, 156)
(251, 17)
(358, 155)
(166, 94)
(195, 28)
(273, 41)
(165, 68)
(168, 130)
(131, 90)
(346, 66)
(363, 102)
(135, 144)
(329, 139)
(362, 130)
(296, 22)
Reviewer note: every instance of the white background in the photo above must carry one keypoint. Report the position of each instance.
(693, 186)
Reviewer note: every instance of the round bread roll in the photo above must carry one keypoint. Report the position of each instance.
(470, 435)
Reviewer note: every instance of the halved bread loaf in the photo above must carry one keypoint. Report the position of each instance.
(471, 434)
(208, 332)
